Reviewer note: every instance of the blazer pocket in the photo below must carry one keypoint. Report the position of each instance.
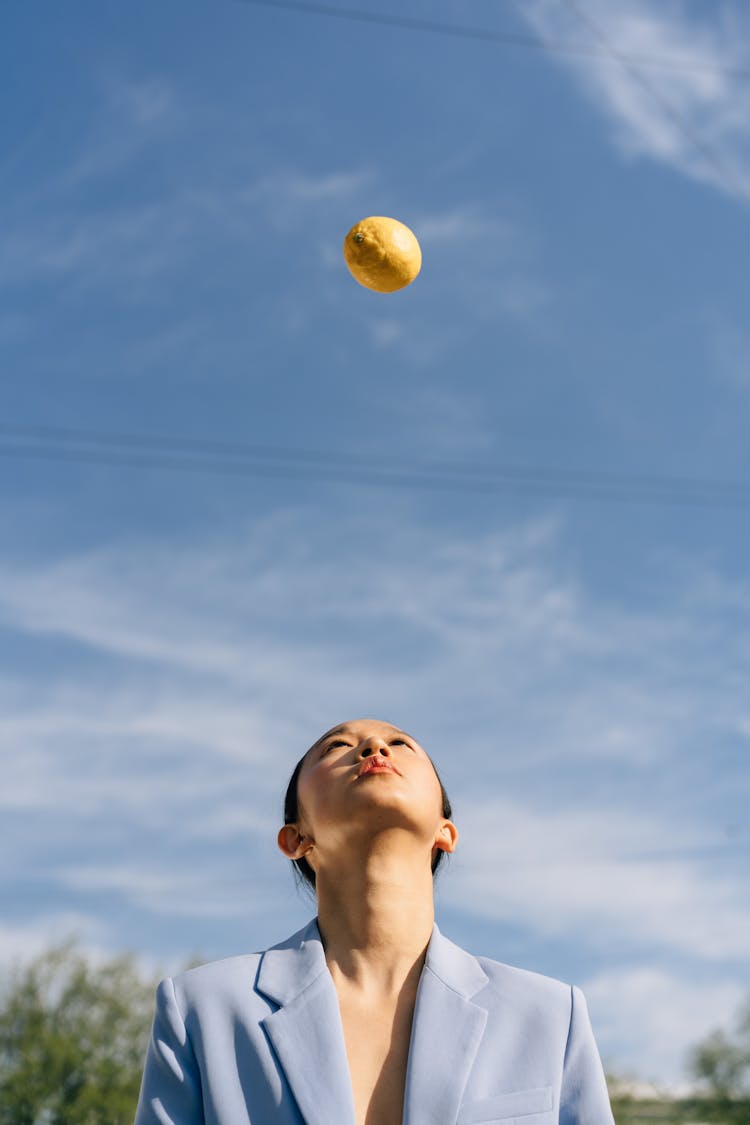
(520, 1105)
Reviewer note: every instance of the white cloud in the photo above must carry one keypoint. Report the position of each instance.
(217, 665)
(146, 103)
(131, 115)
(144, 760)
(164, 890)
(131, 248)
(694, 119)
(487, 259)
(459, 225)
(90, 934)
(385, 332)
(289, 198)
(22, 941)
(729, 352)
(297, 186)
(86, 752)
(133, 244)
(655, 1016)
(228, 617)
(478, 261)
(599, 872)
(57, 231)
(455, 420)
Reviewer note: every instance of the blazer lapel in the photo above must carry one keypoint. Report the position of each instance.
(308, 1037)
(306, 1031)
(447, 1029)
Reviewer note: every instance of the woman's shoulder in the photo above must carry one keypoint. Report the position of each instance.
(232, 977)
(505, 974)
(531, 997)
(216, 978)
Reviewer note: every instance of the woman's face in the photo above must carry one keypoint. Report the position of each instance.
(364, 775)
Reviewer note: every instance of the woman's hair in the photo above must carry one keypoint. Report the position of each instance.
(291, 816)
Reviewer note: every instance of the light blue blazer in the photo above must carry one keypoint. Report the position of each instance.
(258, 1040)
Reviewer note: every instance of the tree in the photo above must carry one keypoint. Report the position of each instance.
(721, 1064)
(73, 1038)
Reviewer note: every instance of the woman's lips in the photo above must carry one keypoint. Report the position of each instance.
(375, 766)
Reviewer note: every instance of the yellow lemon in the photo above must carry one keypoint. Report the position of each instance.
(382, 254)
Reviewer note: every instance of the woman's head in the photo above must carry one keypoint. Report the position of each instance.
(361, 773)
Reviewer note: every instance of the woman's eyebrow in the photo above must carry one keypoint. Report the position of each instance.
(331, 733)
(324, 737)
(396, 732)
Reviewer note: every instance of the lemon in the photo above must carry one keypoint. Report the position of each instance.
(382, 254)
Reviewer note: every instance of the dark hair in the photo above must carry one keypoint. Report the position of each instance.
(291, 815)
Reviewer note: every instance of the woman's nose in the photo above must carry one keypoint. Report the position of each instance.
(374, 746)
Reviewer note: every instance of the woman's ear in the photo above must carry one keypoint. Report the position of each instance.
(292, 843)
(447, 837)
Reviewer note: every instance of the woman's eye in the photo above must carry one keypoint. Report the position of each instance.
(333, 745)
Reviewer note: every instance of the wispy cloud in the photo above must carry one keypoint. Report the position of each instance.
(481, 268)
(92, 250)
(729, 352)
(293, 198)
(309, 188)
(132, 116)
(496, 605)
(487, 259)
(460, 225)
(658, 1016)
(135, 249)
(23, 940)
(189, 893)
(73, 224)
(144, 764)
(602, 872)
(695, 119)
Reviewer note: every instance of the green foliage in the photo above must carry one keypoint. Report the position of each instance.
(721, 1064)
(72, 1040)
(681, 1111)
(721, 1067)
(648, 1111)
(633, 1105)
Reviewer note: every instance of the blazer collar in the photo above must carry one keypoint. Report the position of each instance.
(307, 1034)
(306, 1031)
(456, 968)
(446, 1032)
(289, 967)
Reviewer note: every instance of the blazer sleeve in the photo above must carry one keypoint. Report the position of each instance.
(171, 1085)
(584, 1099)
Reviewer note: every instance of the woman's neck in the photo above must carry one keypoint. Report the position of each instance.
(375, 915)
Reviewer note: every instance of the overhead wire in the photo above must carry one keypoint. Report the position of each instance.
(140, 451)
(143, 451)
(501, 38)
(196, 455)
(694, 139)
(603, 49)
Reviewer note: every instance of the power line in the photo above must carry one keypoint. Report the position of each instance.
(143, 451)
(502, 38)
(683, 126)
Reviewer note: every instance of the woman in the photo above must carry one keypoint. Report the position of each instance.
(368, 1015)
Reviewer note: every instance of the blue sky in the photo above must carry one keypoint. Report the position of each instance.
(178, 623)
